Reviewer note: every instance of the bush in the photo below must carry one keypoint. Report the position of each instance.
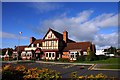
(20, 72)
(92, 56)
(64, 60)
(10, 58)
(81, 58)
(99, 76)
(33, 58)
(102, 57)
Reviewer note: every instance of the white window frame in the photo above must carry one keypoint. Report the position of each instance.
(38, 44)
(32, 45)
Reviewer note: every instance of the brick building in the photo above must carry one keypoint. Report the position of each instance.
(55, 45)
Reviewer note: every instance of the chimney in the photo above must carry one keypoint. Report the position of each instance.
(65, 36)
(32, 39)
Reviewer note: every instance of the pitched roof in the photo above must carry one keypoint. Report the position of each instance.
(57, 34)
(21, 48)
(37, 41)
(78, 45)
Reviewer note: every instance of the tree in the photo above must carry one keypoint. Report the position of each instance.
(10, 50)
(91, 55)
(112, 50)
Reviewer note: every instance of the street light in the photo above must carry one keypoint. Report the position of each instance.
(18, 44)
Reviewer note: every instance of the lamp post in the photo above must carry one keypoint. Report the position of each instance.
(18, 45)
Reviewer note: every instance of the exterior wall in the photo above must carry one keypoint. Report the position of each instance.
(50, 35)
(14, 54)
(65, 55)
(59, 56)
(50, 44)
(30, 48)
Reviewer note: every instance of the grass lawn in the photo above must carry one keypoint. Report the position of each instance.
(110, 67)
(107, 61)
(0, 59)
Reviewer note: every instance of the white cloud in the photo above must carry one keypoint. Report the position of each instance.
(11, 36)
(106, 20)
(82, 28)
(45, 6)
(103, 40)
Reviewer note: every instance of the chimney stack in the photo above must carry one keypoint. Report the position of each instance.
(65, 36)
(32, 39)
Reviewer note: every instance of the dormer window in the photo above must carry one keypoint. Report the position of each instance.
(38, 44)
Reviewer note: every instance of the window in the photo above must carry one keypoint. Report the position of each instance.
(72, 56)
(37, 44)
(76, 55)
(49, 43)
(32, 45)
(23, 54)
(52, 54)
(52, 43)
(46, 54)
(27, 54)
(56, 43)
(49, 54)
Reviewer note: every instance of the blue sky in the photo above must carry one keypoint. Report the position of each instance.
(84, 21)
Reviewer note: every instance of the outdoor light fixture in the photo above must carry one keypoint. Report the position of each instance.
(18, 44)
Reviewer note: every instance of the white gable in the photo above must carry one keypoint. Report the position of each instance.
(50, 35)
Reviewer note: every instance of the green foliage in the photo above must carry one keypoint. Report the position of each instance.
(10, 50)
(99, 76)
(33, 58)
(20, 72)
(64, 60)
(111, 50)
(102, 57)
(91, 55)
(80, 58)
(110, 66)
(117, 53)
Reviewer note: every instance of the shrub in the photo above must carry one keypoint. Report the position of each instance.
(99, 76)
(11, 58)
(92, 57)
(81, 58)
(102, 57)
(20, 72)
(33, 58)
(64, 60)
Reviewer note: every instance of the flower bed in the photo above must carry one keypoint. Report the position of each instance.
(99, 76)
(20, 72)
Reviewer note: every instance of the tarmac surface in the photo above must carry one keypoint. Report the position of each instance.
(66, 69)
